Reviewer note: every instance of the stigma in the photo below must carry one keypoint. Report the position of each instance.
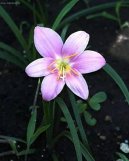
(63, 67)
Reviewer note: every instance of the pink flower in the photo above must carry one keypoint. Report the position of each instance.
(63, 63)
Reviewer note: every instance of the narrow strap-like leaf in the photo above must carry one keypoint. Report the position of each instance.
(13, 27)
(89, 11)
(78, 118)
(31, 126)
(115, 76)
(29, 6)
(13, 52)
(84, 150)
(11, 58)
(122, 156)
(12, 138)
(72, 128)
(39, 131)
(63, 12)
(64, 31)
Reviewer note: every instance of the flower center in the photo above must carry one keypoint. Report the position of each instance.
(62, 67)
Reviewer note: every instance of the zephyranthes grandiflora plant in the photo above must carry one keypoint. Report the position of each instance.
(61, 64)
(64, 63)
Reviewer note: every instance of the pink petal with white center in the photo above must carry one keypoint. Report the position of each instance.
(39, 67)
(89, 61)
(78, 85)
(47, 42)
(75, 43)
(51, 87)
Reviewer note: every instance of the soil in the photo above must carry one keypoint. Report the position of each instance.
(17, 92)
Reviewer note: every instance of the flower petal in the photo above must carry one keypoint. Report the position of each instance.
(39, 67)
(47, 42)
(89, 61)
(75, 43)
(78, 85)
(51, 87)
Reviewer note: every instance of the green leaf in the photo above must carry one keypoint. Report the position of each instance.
(29, 6)
(15, 53)
(10, 58)
(13, 146)
(115, 76)
(84, 150)
(95, 100)
(118, 6)
(86, 153)
(54, 156)
(49, 120)
(89, 119)
(122, 156)
(39, 131)
(103, 14)
(72, 128)
(24, 152)
(31, 126)
(95, 106)
(12, 138)
(78, 118)
(99, 97)
(63, 119)
(63, 12)
(13, 27)
(88, 11)
(64, 31)
(81, 106)
(30, 37)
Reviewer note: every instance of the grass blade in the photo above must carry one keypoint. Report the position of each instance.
(31, 126)
(122, 156)
(39, 131)
(31, 8)
(13, 52)
(24, 152)
(89, 11)
(12, 139)
(13, 27)
(72, 128)
(103, 14)
(84, 150)
(78, 119)
(11, 58)
(63, 12)
(64, 31)
(115, 76)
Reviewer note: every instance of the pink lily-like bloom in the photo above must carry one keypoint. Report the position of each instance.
(63, 63)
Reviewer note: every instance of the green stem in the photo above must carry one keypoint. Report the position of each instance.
(36, 93)
(48, 119)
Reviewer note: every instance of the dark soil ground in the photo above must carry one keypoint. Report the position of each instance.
(17, 91)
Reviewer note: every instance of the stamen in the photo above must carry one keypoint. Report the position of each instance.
(74, 71)
(70, 56)
(51, 64)
(53, 70)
